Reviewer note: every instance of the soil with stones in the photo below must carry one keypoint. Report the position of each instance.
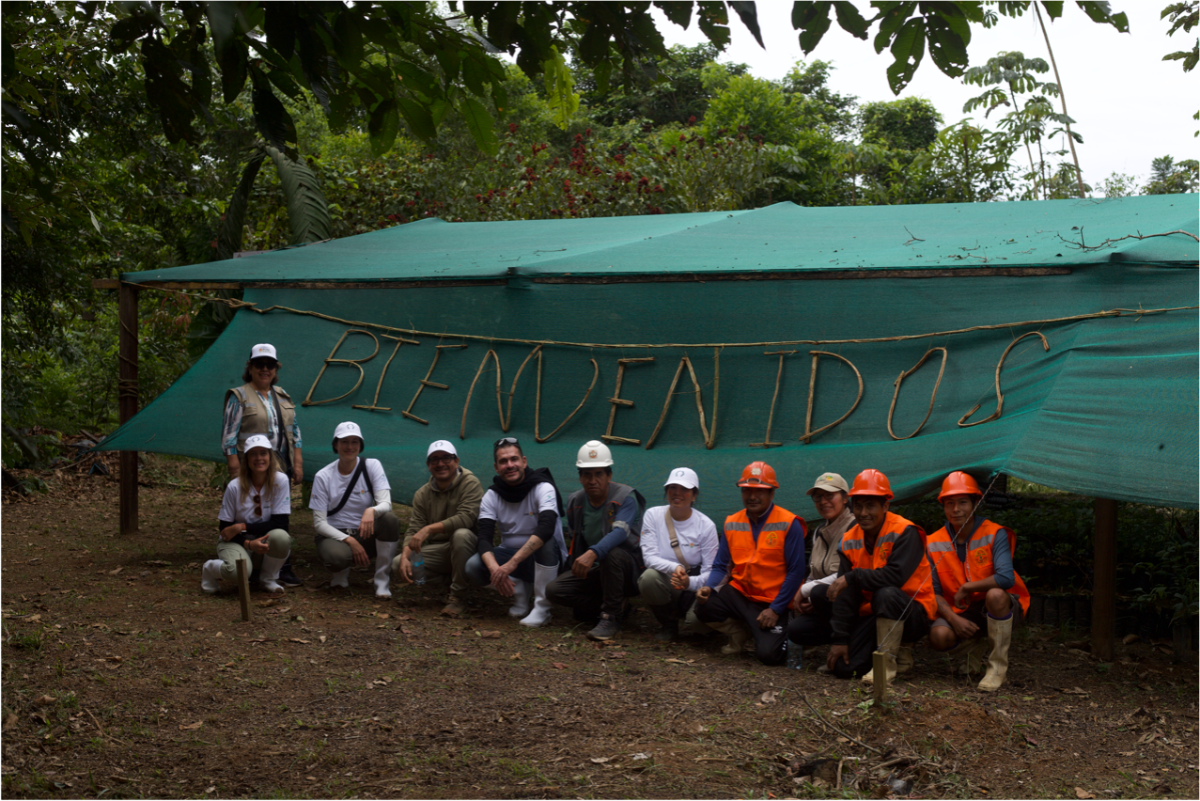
(122, 678)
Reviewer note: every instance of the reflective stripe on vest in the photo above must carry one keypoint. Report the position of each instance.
(918, 586)
(952, 573)
(758, 570)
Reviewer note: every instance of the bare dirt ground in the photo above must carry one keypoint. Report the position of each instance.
(122, 679)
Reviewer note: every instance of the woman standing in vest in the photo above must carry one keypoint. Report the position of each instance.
(351, 504)
(679, 545)
(974, 581)
(258, 407)
(253, 522)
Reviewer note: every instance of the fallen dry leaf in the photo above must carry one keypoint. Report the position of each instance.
(681, 661)
(115, 572)
(45, 700)
(1082, 793)
(191, 726)
(769, 696)
(515, 656)
(601, 760)
(1076, 691)
(488, 635)
(10, 721)
(321, 638)
(297, 639)
(456, 653)
(560, 665)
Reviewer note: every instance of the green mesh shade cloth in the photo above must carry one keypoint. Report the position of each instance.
(1110, 410)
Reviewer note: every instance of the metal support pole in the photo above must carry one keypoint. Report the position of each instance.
(1104, 589)
(127, 400)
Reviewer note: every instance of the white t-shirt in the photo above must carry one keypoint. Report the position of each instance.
(697, 539)
(329, 485)
(276, 500)
(515, 522)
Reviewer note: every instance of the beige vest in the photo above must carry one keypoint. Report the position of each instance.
(255, 417)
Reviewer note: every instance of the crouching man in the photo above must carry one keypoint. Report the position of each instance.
(883, 595)
(604, 520)
(975, 582)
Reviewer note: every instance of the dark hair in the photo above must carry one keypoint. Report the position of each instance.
(506, 442)
(246, 372)
(607, 470)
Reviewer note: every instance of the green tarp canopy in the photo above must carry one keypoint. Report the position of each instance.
(1108, 410)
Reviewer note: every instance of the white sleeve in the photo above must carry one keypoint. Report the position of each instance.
(379, 482)
(708, 552)
(807, 587)
(652, 522)
(229, 504)
(322, 526)
(487, 507)
(281, 504)
(547, 499)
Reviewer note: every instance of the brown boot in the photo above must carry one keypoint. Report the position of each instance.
(453, 608)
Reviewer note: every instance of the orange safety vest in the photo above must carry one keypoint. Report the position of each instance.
(952, 573)
(919, 585)
(758, 569)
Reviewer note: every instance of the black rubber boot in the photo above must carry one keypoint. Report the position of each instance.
(665, 615)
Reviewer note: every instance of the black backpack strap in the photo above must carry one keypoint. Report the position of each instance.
(360, 470)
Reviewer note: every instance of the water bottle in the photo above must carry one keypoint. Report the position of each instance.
(418, 570)
(795, 655)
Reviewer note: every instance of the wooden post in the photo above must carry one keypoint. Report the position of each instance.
(127, 401)
(243, 580)
(1104, 589)
(879, 668)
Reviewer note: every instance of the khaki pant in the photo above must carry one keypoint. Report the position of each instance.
(656, 590)
(279, 544)
(336, 554)
(447, 559)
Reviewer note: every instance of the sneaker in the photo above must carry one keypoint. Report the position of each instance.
(606, 629)
(287, 578)
(668, 632)
(823, 668)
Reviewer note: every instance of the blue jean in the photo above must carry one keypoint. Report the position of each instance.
(478, 573)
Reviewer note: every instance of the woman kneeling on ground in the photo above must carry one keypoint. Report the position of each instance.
(253, 521)
(679, 544)
(351, 504)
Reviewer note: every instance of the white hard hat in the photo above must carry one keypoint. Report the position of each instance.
(443, 446)
(256, 441)
(263, 351)
(683, 476)
(348, 429)
(594, 453)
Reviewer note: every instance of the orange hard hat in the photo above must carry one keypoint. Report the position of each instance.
(958, 483)
(758, 474)
(872, 482)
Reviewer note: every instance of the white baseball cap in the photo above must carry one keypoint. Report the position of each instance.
(256, 441)
(830, 482)
(683, 476)
(443, 446)
(348, 429)
(263, 351)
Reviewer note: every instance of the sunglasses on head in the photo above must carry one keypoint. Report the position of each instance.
(500, 443)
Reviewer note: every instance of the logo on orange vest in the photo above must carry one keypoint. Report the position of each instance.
(980, 557)
(885, 550)
(771, 540)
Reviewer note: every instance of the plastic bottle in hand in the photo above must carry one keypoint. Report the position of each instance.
(418, 570)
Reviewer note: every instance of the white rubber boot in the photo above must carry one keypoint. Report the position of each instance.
(522, 603)
(340, 579)
(210, 576)
(974, 650)
(905, 660)
(268, 573)
(738, 636)
(999, 637)
(887, 640)
(384, 553)
(542, 576)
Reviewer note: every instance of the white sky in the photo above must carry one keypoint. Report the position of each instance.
(1129, 105)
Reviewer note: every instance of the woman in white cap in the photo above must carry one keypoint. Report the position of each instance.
(679, 544)
(259, 407)
(351, 503)
(253, 521)
(810, 624)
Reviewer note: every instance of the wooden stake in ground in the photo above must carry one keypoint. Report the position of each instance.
(243, 581)
(879, 666)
